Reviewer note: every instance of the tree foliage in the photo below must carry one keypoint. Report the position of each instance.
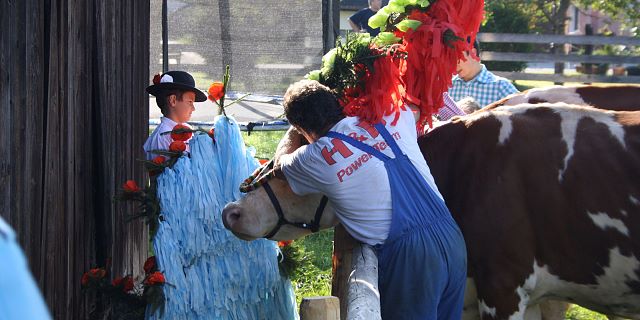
(625, 11)
(550, 16)
(503, 17)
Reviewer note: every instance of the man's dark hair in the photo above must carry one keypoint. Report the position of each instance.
(312, 107)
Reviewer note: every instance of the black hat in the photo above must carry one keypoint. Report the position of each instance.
(175, 80)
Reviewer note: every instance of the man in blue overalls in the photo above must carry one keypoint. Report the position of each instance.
(384, 195)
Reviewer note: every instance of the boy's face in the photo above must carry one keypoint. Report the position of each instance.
(467, 69)
(181, 109)
(376, 5)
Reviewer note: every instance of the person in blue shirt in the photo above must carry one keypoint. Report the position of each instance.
(359, 21)
(475, 81)
(20, 297)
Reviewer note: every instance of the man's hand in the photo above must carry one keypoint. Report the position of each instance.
(354, 27)
(291, 141)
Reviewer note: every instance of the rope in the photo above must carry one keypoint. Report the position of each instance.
(250, 184)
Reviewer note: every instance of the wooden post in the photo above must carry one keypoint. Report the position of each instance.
(343, 245)
(320, 308)
(363, 295)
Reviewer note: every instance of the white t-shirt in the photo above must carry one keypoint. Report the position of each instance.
(355, 181)
(156, 141)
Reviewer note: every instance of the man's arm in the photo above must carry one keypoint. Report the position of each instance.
(290, 142)
(354, 27)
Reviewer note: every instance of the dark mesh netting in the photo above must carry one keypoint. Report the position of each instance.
(269, 44)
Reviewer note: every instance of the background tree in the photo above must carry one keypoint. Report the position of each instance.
(506, 17)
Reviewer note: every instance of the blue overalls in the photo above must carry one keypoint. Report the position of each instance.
(422, 265)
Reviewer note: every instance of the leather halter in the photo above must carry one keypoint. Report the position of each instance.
(248, 186)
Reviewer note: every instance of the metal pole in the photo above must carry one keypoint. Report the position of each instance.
(165, 38)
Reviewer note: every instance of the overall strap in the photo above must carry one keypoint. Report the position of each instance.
(358, 144)
(389, 139)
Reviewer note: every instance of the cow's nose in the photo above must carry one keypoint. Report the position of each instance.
(230, 215)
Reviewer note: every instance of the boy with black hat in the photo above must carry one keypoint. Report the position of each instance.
(175, 94)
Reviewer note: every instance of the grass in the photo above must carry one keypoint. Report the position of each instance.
(315, 277)
(577, 312)
(529, 84)
(265, 142)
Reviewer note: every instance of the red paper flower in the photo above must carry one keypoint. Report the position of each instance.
(177, 146)
(127, 284)
(85, 279)
(159, 160)
(181, 133)
(117, 281)
(284, 243)
(150, 265)
(131, 186)
(156, 78)
(155, 279)
(212, 133)
(216, 91)
(97, 273)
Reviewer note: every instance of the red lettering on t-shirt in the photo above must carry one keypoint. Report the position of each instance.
(338, 146)
(369, 128)
(357, 137)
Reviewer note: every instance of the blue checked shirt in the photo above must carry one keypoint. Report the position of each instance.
(485, 88)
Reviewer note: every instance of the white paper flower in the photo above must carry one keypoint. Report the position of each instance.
(166, 78)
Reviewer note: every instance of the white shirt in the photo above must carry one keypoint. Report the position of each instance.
(156, 141)
(357, 184)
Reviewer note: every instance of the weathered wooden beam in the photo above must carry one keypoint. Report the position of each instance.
(363, 298)
(549, 57)
(587, 78)
(550, 38)
(343, 245)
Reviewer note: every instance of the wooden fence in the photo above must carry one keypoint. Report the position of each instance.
(550, 57)
(74, 118)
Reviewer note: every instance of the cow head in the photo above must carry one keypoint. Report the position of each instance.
(255, 215)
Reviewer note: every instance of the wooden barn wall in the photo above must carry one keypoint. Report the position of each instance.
(73, 118)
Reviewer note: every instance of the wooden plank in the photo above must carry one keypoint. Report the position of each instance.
(320, 308)
(548, 57)
(548, 38)
(343, 245)
(363, 296)
(562, 78)
(6, 107)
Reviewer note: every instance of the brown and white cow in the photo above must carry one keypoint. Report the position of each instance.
(547, 197)
(610, 97)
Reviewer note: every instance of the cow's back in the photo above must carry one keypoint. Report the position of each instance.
(548, 198)
(623, 97)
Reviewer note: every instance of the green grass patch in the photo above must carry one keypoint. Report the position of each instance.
(577, 312)
(265, 142)
(314, 279)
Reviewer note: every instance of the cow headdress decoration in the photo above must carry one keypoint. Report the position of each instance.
(411, 61)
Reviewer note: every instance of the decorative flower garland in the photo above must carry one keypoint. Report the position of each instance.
(412, 60)
(128, 298)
